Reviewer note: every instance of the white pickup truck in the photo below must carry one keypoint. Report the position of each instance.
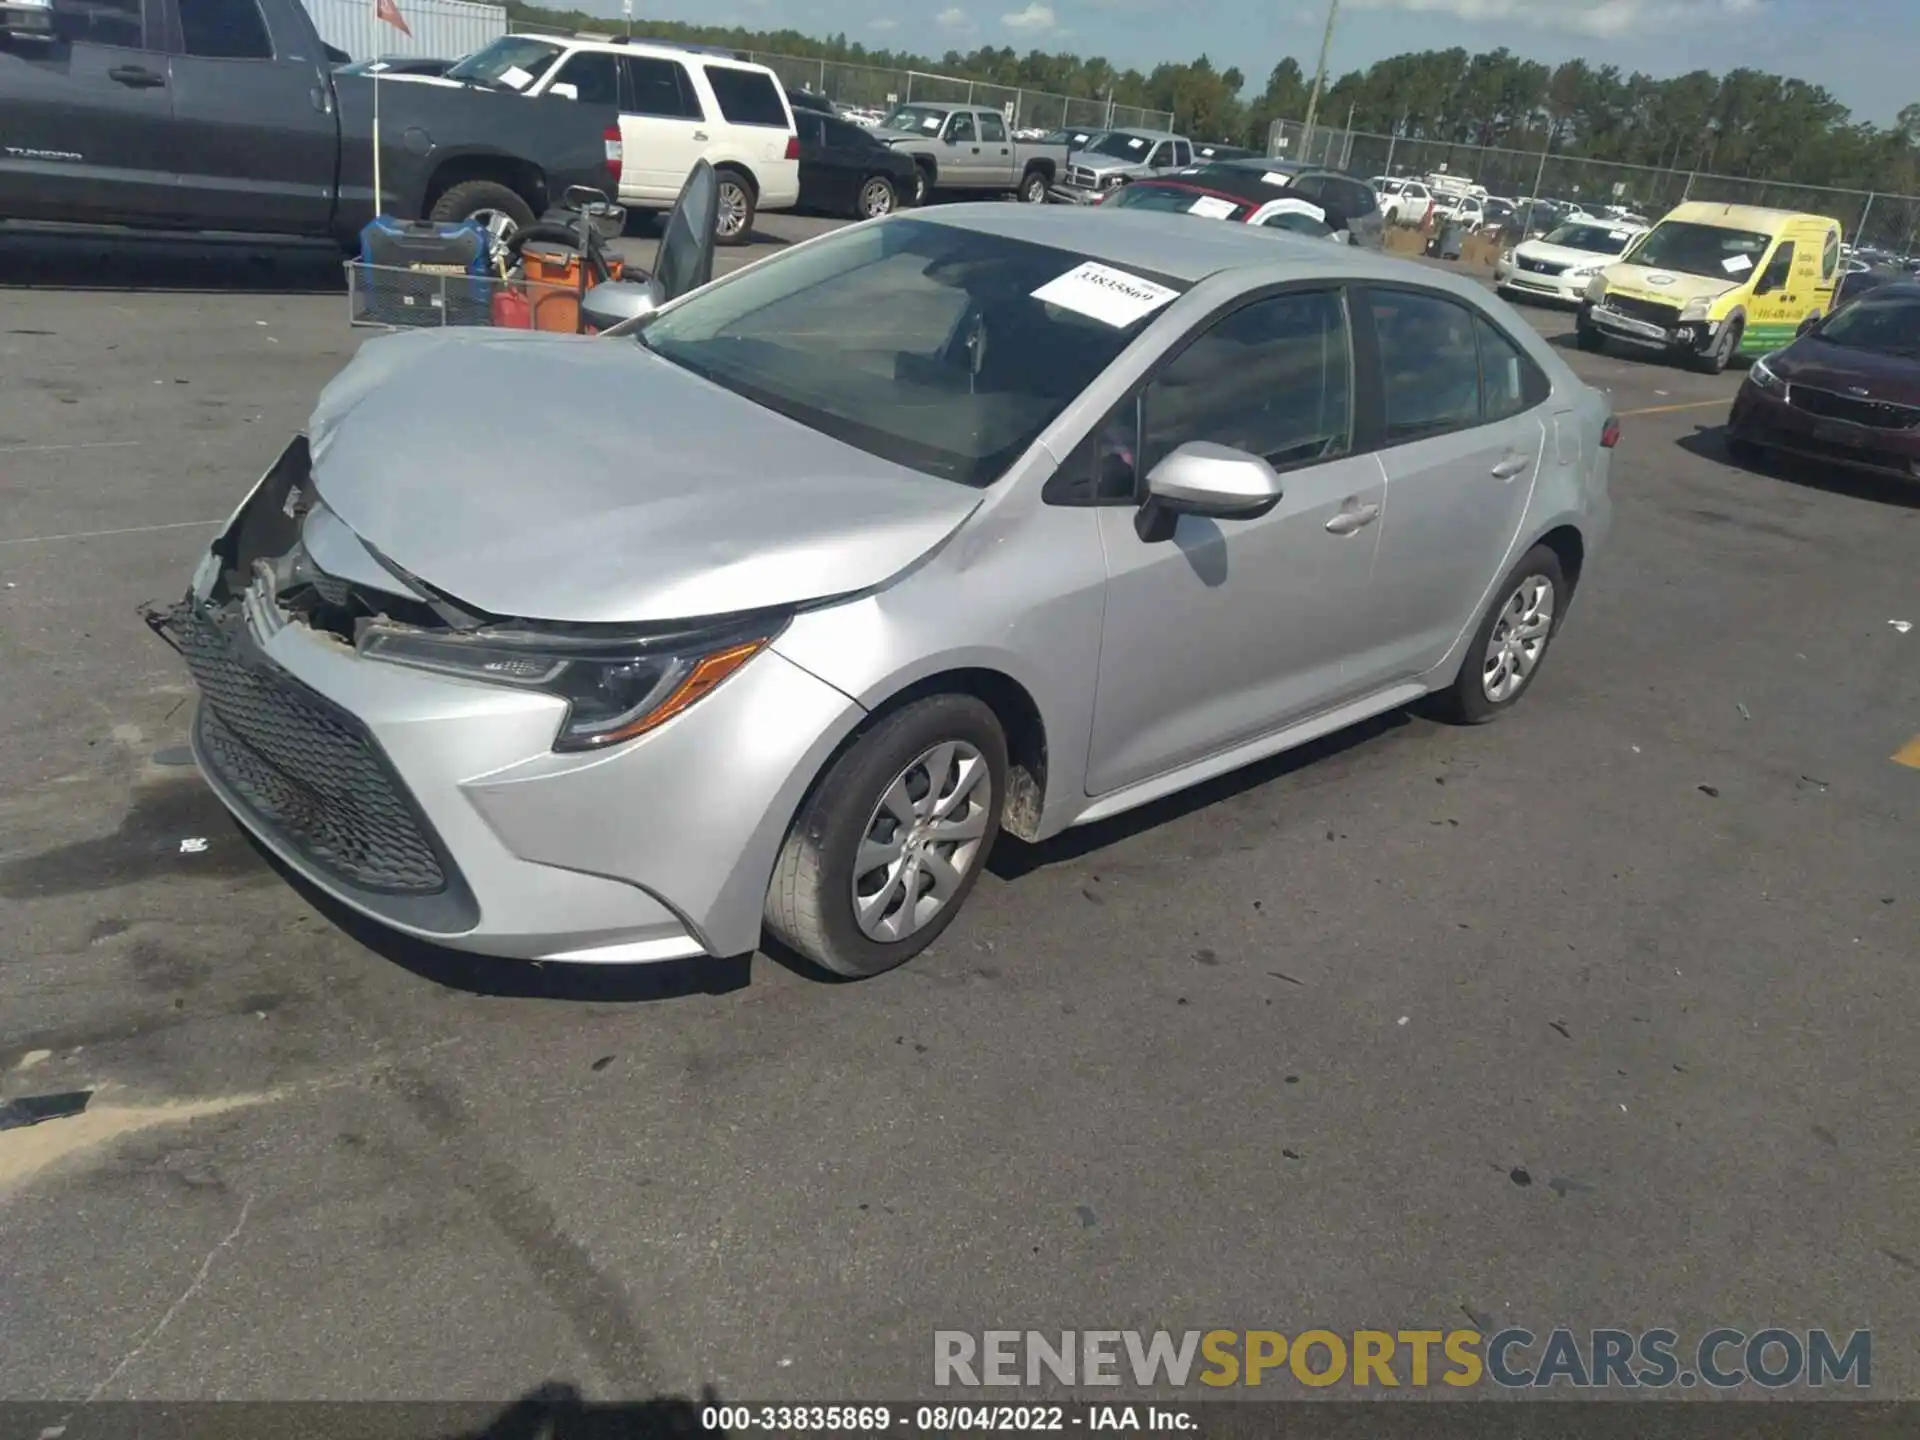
(969, 147)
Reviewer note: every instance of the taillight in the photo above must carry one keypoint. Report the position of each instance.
(616, 152)
(793, 147)
(1610, 433)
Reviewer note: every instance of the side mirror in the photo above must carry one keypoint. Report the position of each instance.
(564, 89)
(613, 304)
(1203, 478)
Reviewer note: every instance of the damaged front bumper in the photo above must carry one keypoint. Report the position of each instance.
(439, 806)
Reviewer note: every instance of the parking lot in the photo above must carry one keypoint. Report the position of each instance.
(1599, 1016)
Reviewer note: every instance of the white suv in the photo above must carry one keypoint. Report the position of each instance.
(678, 106)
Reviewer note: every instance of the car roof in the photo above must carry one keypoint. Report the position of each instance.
(1178, 247)
(1240, 181)
(1745, 217)
(663, 49)
(1142, 134)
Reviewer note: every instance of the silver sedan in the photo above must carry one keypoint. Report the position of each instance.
(772, 614)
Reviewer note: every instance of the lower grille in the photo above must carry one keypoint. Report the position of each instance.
(1652, 311)
(1875, 414)
(305, 767)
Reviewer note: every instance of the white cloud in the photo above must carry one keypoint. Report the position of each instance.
(953, 18)
(1036, 19)
(883, 23)
(1607, 19)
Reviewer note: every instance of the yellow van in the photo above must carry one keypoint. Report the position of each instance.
(1713, 281)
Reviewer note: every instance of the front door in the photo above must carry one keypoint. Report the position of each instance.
(1462, 445)
(958, 155)
(663, 129)
(1235, 628)
(1780, 299)
(84, 119)
(255, 139)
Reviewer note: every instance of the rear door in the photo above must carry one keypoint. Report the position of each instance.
(663, 129)
(996, 150)
(84, 119)
(255, 139)
(755, 125)
(1462, 433)
(826, 181)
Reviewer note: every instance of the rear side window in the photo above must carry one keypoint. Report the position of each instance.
(116, 22)
(844, 136)
(1429, 362)
(747, 97)
(1182, 155)
(1830, 256)
(224, 30)
(1507, 378)
(661, 88)
(992, 127)
(595, 74)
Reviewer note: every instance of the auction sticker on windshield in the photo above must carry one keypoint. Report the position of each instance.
(1736, 264)
(516, 77)
(1213, 207)
(1102, 293)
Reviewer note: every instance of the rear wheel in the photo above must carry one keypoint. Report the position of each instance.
(488, 204)
(892, 838)
(733, 222)
(922, 184)
(1033, 188)
(1510, 643)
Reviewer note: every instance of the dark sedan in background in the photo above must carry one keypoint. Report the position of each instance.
(845, 171)
(1847, 392)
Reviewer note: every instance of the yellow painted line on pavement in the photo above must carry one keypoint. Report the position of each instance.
(1909, 754)
(1670, 409)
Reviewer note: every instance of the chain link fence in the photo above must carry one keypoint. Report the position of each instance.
(871, 88)
(1890, 222)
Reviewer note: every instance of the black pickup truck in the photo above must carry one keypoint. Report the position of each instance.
(228, 115)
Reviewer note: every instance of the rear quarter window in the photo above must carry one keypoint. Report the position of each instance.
(747, 97)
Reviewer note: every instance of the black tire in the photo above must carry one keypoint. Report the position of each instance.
(474, 197)
(1721, 355)
(810, 902)
(872, 189)
(1466, 701)
(739, 204)
(1589, 339)
(922, 184)
(1033, 187)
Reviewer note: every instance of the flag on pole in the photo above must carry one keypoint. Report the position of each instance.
(388, 11)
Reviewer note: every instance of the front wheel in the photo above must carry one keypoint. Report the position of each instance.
(733, 221)
(1720, 354)
(892, 838)
(922, 185)
(1510, 642)
(486, 203)
(1033, 189)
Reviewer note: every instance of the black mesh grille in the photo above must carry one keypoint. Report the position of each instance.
(305, 767)
(1545, 267)
(1878, 414)
(1651, 311)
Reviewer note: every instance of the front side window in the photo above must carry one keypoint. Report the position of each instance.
(946, 361)
(1430, 364)
(114, 22)
(960, 130)
(1595, 239)
(594, 74)
(1159, 160)
(1779, 269)
(661, 88)
(1830, 255)
(1273, 379)
(747, 97)
(224, 30)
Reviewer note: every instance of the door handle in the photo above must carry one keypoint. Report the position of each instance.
(136, 77)
(700, 135)
(1512, 466)
(1352, 519)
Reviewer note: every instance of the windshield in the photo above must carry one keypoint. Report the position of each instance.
(513, 62)
(1696, 249)
(1181, 199)
(1598, 239)
(1120, 146)
(944, 358)
(1887, 325)
(927, 118)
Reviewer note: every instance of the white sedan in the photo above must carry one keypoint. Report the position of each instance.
(1560, 265)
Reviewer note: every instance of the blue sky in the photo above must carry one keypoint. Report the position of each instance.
(1861, 50)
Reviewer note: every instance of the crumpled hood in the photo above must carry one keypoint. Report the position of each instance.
(1669, 287)
(553, 477)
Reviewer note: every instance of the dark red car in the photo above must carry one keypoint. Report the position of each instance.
(1847, 392)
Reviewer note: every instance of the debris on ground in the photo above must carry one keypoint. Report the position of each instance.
(193, 845)
(34, 1109)
(1744, 713)
(1708, 791)
(1903, 626)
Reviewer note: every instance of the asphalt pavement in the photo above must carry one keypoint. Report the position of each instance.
(1598, 1016)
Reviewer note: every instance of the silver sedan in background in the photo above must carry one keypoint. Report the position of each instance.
(774, 613)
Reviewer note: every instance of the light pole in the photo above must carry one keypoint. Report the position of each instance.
(1319, 75)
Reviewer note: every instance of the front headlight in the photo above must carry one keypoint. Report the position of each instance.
(1110, 182)
(1764, 376)
(1695, 309)
(1584, 272)
(1597, 289)
(616, 687)
(1506, 257)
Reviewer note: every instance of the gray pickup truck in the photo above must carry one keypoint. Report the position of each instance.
(1116, 158)
(205, 115)
(969, 147)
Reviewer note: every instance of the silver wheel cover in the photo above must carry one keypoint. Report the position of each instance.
(921, 841)
(1519, 639)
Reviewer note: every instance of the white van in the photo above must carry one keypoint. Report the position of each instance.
(678, 105)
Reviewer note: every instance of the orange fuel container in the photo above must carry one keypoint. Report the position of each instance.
(554, 285)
